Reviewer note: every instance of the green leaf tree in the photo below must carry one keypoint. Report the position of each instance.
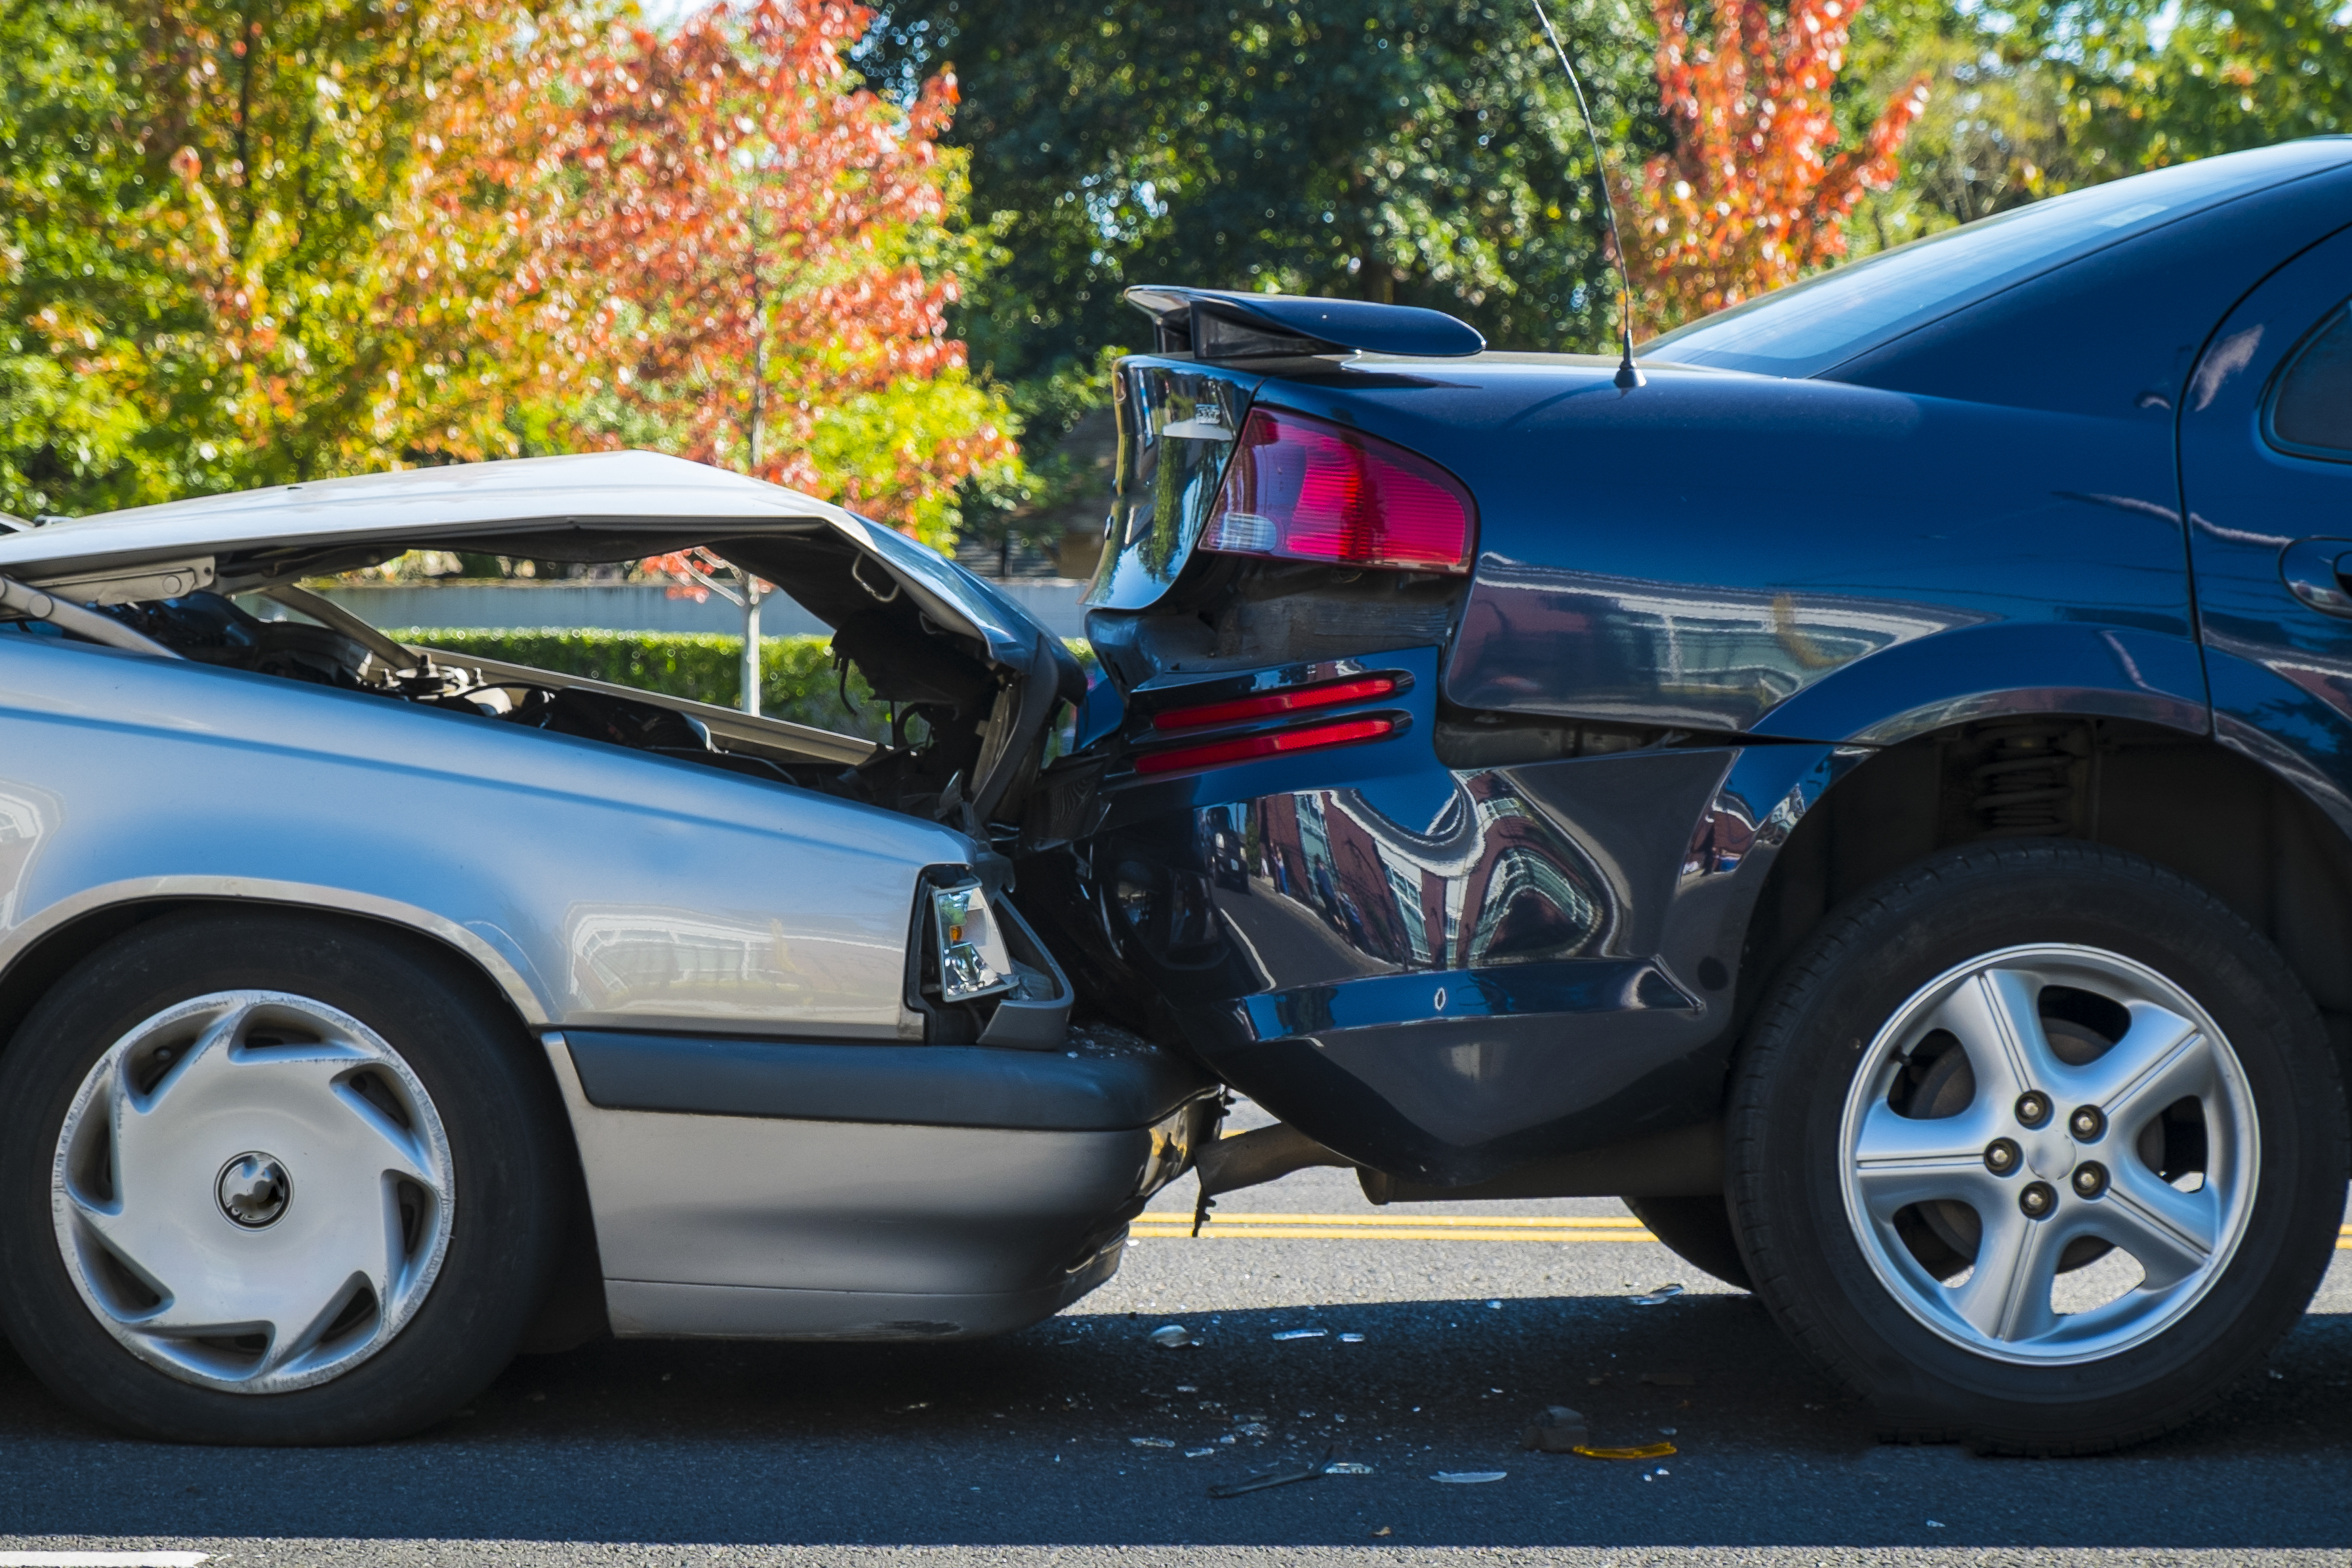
(1424, 153)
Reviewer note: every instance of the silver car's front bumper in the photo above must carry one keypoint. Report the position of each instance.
(796, 1218)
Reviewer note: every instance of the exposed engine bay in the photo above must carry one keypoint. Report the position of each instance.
(952, 712)
(938, 700)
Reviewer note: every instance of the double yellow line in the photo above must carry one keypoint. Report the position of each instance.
(1390, 1228)
(1224, 1226)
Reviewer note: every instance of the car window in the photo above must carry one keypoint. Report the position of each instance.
(2311, 410)
(1809, 327)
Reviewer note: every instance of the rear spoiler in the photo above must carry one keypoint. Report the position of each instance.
(1226, 324)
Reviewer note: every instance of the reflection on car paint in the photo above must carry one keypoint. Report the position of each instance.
(1184, 421)
(1545, 639)
(1488, 882)
(668, 962)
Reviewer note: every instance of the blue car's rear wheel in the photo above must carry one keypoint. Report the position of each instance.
(2039, 1146)
(271, 1179)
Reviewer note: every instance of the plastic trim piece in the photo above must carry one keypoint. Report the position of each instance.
(1227, 324)
(906, 1085)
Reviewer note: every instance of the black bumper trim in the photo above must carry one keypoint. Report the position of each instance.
(905, 1085)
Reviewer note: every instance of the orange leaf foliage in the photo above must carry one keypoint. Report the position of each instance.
(717, 232)
(1752, 195)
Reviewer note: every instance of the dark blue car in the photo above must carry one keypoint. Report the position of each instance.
(1875, 795)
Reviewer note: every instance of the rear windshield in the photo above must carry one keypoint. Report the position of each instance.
(1809, 327)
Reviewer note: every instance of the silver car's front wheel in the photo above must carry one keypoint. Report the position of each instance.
(2032, 1113)
(274, 1177)
(253, 1191)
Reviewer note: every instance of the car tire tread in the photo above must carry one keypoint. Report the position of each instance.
(1772, 1038)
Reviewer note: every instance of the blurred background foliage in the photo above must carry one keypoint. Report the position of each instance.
(212, 212)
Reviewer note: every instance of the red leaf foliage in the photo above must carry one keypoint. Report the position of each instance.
(717, 233)
(1752, 194)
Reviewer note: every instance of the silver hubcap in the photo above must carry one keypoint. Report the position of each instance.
(2049, 1154)
(252, 1192)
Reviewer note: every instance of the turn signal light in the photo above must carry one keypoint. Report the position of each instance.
(1273, 703)
(1300, 488)
(1249, 747)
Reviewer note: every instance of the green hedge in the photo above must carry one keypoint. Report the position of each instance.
(797, 679)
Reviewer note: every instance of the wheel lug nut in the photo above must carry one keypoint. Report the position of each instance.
(2088, 1122)
(2001, 1157)
(2032, 1108)
(2037, 1199)
(2090, 1178)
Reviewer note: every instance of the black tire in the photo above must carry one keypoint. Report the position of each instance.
(505, 1148)
(1699, 1231)
(1786, 1160)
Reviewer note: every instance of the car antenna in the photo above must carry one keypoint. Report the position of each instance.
(1628, 375)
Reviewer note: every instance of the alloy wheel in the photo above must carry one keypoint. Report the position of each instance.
(2027, 1114)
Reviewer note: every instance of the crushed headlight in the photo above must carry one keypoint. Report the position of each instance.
(972, 955)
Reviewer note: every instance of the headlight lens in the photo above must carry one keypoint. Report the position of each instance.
(972, 960)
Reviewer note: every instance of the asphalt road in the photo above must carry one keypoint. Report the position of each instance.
(1081, 1442)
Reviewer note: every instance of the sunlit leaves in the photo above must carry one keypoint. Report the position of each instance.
(1753, 194)
(718, 234)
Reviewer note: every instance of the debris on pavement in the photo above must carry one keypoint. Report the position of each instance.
(1646, 1451)
(1351, 1338)
(1670, 1379)
(1469, 1478)
(1265, 1478)
(1653, 1298)
(1199, 1453)
(1555, 1429)
(1347, 1468)
(1302, 1333)
(1168, 1336)
(1153, 1442)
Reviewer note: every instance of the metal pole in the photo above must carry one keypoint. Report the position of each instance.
(752, 647)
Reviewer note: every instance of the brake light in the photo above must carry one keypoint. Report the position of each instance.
(1303, 489)
(1328, 695)
(1248, 748)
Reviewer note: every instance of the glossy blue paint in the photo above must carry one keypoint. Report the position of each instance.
(1447, 979)
(1754, 581)
(2267, 525)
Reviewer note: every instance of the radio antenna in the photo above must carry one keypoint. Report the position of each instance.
(1629, 376)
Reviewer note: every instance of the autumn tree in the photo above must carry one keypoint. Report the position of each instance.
(191, 194)
(1754, 193)
(719, 240)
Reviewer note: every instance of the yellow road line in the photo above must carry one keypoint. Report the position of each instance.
(1431, 1228)
(1302, 1233)
(1393, 1228)
(1386, 1222)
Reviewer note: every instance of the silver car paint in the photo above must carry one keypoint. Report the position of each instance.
(781, 1228)
(599, 886)
(642, 493)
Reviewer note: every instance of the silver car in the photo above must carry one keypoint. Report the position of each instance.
(374, 1012)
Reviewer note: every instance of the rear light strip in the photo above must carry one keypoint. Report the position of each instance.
(1248, 747)
(1274, 703)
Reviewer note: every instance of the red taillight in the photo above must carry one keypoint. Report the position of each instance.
(1273, 703)
(1218, 752)
(1303, 489)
